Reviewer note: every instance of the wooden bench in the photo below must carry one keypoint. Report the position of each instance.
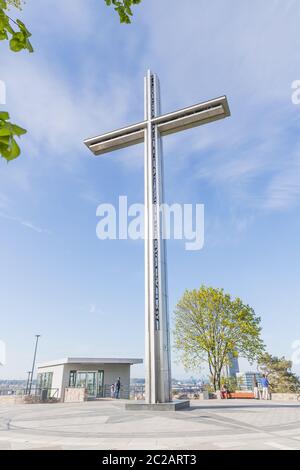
(241, 395)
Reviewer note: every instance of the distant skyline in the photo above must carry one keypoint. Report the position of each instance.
(86, 296)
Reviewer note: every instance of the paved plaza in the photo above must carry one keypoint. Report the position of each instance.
(232, 424)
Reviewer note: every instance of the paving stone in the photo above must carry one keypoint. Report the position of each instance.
(239, 424)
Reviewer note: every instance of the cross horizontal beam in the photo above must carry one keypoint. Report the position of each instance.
(170, 123)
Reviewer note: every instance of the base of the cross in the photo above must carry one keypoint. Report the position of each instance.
(175, 405)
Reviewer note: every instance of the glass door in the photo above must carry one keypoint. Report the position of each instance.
(91, 384)
(81, 380)
(87, 380)
(100, 383)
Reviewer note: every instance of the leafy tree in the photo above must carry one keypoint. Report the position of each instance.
(231, 383)
(123, 8)
(18, 36)
(280, 375)
(210, 326)
(9, 148)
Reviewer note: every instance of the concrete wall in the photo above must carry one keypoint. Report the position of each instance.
(75, 395)
(284, 396)
(57, 379)
(18, 399)
(10, 400)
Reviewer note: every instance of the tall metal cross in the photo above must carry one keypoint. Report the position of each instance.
(150, 131)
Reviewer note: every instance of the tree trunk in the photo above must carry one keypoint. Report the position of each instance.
(212, 374)
(215, 381)
(219, 381)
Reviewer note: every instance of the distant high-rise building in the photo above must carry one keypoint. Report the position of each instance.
(232, 368)
(245, 379)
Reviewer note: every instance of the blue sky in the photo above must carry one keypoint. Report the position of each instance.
(86, 296)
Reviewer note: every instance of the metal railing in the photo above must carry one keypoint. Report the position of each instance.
(137, 392)
(124, 392)
(133, 392)
(44, 394)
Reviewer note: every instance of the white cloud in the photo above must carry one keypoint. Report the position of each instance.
(72, 20)
(33, 227)
(247, 51)
(90, 196)
(283, 191)
(58, 116)
(25, 223)
(4, 202)
(230, 48)
(94, 310)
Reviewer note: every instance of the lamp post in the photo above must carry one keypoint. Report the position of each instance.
(33, 363)
(28, 378)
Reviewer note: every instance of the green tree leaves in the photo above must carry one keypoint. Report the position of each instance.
(20, 40)
(9, 148)
(16, 3)
(281, 378)
(123, 8)
(211, 327)
(14, 31)
(18, 36)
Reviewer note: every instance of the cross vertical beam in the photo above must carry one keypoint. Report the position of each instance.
(157, 336)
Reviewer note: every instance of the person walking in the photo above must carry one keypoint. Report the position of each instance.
(265, 387)
(112, 391)
(255, 388)
(117, 388)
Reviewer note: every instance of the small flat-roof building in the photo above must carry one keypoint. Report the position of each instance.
(95, 375)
